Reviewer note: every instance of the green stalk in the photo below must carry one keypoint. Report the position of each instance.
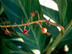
(58, 39)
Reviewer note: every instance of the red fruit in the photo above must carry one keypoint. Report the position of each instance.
(32, 14)
(6, 32)
(44, 30)
(25, 31)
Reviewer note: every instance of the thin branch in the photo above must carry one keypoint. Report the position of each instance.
(10, 24)
(3, 23)
(38, 15)
(55, 24)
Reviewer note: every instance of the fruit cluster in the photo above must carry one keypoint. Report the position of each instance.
(43, 30)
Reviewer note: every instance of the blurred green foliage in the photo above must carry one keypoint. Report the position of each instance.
(12, 44)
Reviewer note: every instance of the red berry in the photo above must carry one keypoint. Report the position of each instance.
(32, 14)
(6, 32)
(25, 31)
(44, 30)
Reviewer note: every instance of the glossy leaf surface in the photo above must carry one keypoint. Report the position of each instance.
(19, 8)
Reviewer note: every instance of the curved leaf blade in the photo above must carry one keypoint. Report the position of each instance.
(17, 8)
(8, 47)
(53, 30)
(69, 10)
(62, 6)
(59, 38)
(3, 47)
(51, 13)
(67, 37)
(1, 9)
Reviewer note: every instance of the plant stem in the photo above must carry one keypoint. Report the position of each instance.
(47, 21)
(58, 39)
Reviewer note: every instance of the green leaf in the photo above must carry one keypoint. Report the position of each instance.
(1, 9)
(68, 35)
(69, 52)
(54, 0)
(17, 8)
(12, 47)
(22, 46)
(3, 47)
(62, 6)
(70, 47)
(51, 13)
(69, 10)
(59, 38)
(68, 13)
(53, 30)
(2, 23)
